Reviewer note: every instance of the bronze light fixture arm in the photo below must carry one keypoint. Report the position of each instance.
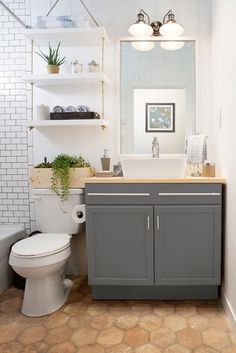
(141, 16)
(170, 15)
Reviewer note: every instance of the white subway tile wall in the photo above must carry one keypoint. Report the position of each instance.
(14, 140)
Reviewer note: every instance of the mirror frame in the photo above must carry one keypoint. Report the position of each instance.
(152, 39)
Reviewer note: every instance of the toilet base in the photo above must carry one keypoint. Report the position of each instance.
(45, 295)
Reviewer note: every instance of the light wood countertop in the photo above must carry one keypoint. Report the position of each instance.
(123, 180)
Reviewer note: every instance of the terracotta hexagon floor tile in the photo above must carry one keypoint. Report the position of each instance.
(205, 349)
(150, 322)
(84, 337)
(97, 309)
(189, 338)
(58, 335)
(102, 322)
(110, 336)
(83, 325)
(216, 339)
(9, 318)
(9, 332)
(141, 309)
(163, 309)
(209, 311)
(75, 308)
(79, 321)
(186, 310)
(92, 348)
(119, 309)
(136, 337)
(32, 335)
(198, 322)
(120, 348)
(65, 347)
(127, 321)
(232, 338)
(56, 319)
(148, 348)
(162, 337)
(29, 321)
(11, 347)
(230, 350)
(176, 348)
(220, 322)
(38, 347)
(11, 305)
(175, 322)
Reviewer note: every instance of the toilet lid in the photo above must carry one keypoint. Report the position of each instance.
(41, 245)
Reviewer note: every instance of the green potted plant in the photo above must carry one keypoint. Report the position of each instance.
(63, 173)
(52, 59)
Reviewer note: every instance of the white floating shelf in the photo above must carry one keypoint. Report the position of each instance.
(39, 124)
(87, 78)
(67, 36)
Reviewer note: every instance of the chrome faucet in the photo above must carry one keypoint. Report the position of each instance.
(155, 147)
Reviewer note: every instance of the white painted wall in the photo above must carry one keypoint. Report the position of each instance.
(169, 142)
(116, 16)
(224, 94)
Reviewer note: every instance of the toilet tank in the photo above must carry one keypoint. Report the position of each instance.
(55, 216)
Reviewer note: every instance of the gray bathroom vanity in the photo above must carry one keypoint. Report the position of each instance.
(154, 240)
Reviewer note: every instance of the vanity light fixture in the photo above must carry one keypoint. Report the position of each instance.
(171, 45)
(170, 27)
(143, 46)
(141, 28)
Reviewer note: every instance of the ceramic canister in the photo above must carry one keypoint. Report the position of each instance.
(42, 112)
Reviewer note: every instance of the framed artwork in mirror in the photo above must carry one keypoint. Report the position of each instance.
(160, 117)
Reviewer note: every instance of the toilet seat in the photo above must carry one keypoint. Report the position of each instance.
(41, 245)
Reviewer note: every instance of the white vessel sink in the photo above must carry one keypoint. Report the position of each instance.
(153, 167)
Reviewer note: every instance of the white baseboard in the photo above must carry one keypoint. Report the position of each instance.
(229, 310)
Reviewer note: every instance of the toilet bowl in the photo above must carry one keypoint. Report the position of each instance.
(41, 260)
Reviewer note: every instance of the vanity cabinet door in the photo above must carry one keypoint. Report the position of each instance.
(120, 245)
(187, 245)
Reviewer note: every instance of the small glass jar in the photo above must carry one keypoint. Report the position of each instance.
(76, 66)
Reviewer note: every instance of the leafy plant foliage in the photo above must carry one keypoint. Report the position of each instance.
(53, 57)
(61, 172)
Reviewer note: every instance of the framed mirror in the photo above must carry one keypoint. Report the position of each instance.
(157, 96)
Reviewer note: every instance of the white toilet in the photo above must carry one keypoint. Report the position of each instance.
(41, 259)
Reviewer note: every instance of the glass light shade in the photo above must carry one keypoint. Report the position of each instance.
(171, 45)
(171, 29)
(140, 29)
(143, 46)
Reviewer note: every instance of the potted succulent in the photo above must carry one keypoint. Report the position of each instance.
(52, 59)
(63, 173)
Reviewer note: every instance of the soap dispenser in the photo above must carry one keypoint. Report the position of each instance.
(105, 160)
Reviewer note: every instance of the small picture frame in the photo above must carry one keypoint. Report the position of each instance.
(160, 117)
